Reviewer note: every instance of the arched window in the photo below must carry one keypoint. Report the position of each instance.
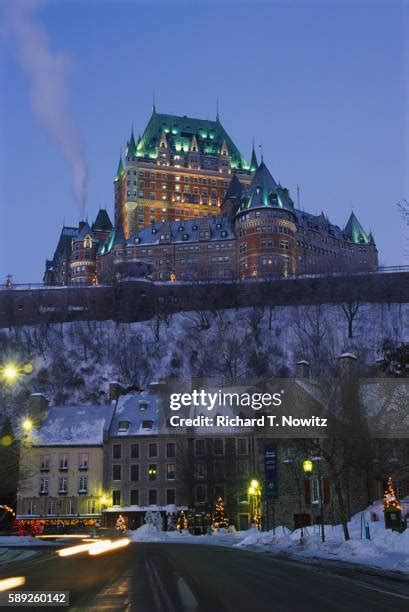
(87, 242)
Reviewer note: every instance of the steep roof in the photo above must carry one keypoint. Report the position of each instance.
(131, 148)
(116, 236)
(135, 414)
(120, 171)
(74, 425)
(180, 131)
(235, 188)
(253, 162)
(265, 192)
(85, 230)
(64, 242)
(355, 231)
(102, 221)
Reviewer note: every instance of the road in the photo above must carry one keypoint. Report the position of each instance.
(197, 578)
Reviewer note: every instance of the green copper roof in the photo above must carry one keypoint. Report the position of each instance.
(179, 133)
(131, 150)
(120, 171)
(354, 230)
(264, 191)
(254, 162)
(116, 236)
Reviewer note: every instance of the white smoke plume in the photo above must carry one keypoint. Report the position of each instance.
(48, 75)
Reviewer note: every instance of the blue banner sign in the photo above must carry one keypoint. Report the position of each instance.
(270, 471)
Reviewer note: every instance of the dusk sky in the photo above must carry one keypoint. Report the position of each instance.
(322, 85)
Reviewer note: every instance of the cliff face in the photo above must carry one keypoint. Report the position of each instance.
(73, 362)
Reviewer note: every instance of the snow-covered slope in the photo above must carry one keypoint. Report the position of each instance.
(73, 362)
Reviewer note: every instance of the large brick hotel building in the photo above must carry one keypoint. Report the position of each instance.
(189, 207)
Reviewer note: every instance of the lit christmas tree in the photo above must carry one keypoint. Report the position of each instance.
(181, 522)
(390, 501)
(121, 525)
(220, 520)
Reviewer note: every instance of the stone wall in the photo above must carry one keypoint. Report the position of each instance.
(139, 300)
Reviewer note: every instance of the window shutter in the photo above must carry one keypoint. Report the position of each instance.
(307, 491)
(325, 490)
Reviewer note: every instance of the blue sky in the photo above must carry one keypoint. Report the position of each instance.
(322, 85)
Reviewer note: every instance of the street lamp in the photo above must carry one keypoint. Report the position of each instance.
(10, 373)
(308, 466)
(27, 425)
(254, 492)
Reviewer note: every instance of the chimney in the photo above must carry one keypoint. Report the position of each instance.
(347, 362)
(38, 405)
(303, 369)
(115, 390)
(158, 387)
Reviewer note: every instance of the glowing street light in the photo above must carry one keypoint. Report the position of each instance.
(254, 492)
(10, 373)
(308, 466)
(27, 425)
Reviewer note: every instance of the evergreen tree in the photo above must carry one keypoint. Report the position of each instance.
(121, 524)
(220, 520)
(390, 501)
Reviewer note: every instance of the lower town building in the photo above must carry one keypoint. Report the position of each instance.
(141, 471)
(61, 465)
(83, 465)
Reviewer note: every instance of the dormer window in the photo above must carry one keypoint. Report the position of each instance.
(87, 242)
(194, 228)
(147, 424)
(185, 236)
(123, 425)
(181, 228)
(218, 225)
(143, 406)
(137, 240)
(224, 234)
(154, 230)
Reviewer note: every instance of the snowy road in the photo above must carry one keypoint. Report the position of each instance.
(159, 577)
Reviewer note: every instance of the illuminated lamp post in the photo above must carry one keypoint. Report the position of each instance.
(308, 467)
(254, 492)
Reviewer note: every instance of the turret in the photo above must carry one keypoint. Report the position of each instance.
(83, 256)
(253, 162)
(265, 228)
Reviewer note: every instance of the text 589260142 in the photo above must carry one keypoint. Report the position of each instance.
(35, 598)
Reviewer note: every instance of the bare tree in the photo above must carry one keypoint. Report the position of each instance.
(350, 311)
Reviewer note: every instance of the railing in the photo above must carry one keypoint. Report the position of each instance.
(380, 270)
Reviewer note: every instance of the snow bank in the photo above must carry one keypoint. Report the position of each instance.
(147, 533)
(254, 537)
(386, 549)
(11, 540)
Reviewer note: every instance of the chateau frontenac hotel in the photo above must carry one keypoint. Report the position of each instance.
(188, 206)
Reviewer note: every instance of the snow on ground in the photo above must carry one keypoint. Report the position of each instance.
(387, 550)
(6, 541)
